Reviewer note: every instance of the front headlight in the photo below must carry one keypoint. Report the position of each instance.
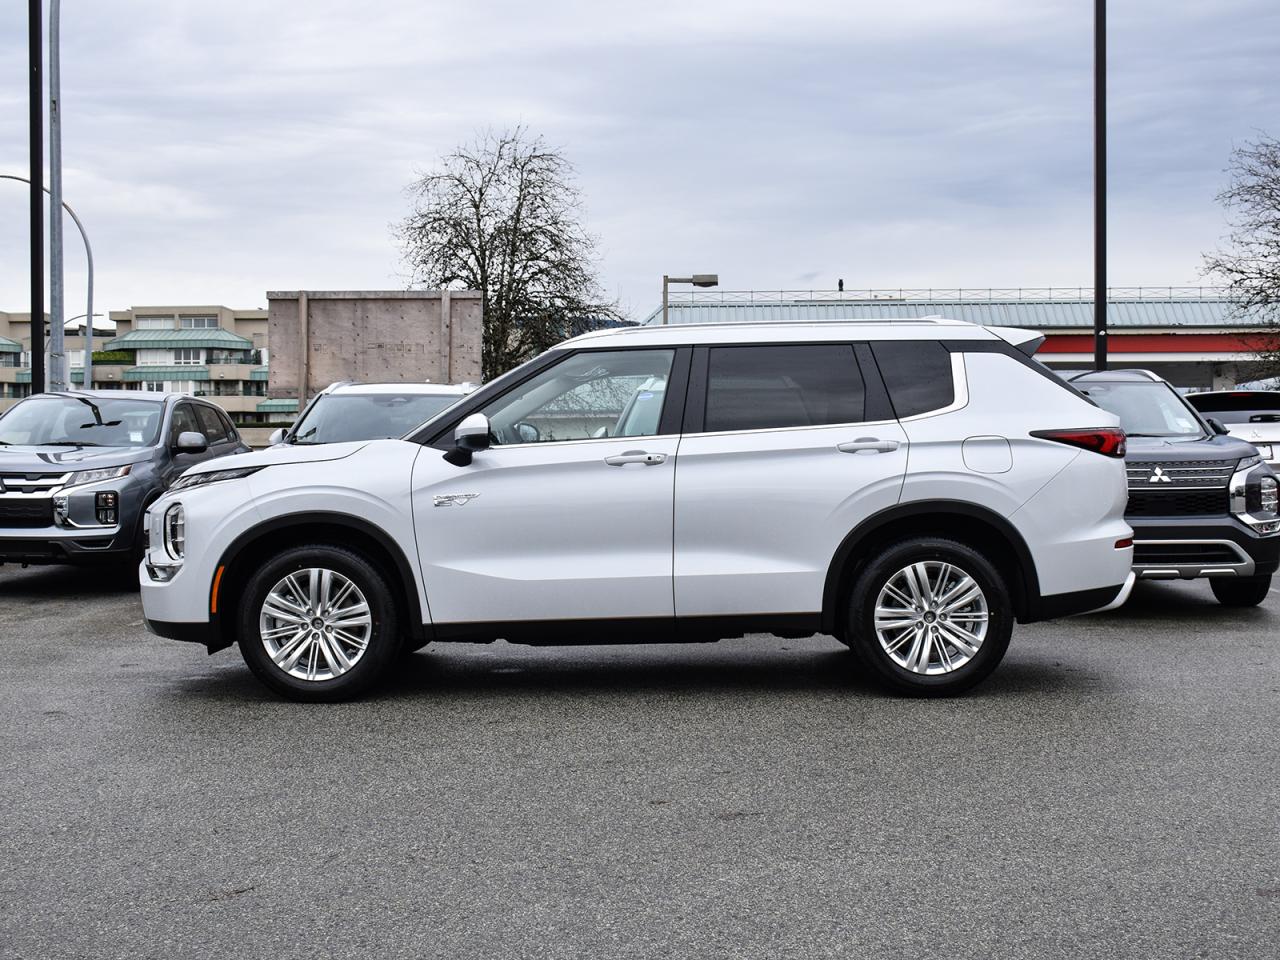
(200, 479)
(81, 477)
(174, 532)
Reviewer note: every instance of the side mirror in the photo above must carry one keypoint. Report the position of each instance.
(191, 442)
(470, 436)
(277, 436)
(1218, 426)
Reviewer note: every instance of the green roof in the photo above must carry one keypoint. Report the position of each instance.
(278, 406)
(186, 372)
(9, 346)
(165, 339)
(258, 373)
(24, 375)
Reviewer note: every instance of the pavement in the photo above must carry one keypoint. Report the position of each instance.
(1110, 792)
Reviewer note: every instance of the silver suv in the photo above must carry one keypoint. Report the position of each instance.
(912, 488)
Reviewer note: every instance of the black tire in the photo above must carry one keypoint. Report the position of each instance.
(862, 638)
(383, 641)
(1240, 591)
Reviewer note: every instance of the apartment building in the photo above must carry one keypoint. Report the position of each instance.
(208, 351)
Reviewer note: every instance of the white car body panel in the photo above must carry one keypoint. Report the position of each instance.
(551, 533)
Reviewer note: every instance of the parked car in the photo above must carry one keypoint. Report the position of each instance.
(1201, 503)
(671, 483)
(369, 411)
(1251, 415)
(78, 469)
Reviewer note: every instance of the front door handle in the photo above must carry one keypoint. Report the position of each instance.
(636, 456)
(867, 445)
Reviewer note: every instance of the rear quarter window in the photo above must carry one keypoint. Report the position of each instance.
(917, 375)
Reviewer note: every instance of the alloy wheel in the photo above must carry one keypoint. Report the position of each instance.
(315, 624)
(931, 617)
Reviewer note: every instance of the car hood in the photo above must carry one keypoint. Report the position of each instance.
(1150, 449)
(42, 459)
(282, 454)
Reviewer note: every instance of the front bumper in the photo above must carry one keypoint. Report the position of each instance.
(1188, 548)
(205, 633)
(58, 545)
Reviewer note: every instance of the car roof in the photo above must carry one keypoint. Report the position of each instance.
(925, 328)
(1116, 376)
(425, 389)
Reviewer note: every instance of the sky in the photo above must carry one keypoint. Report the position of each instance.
(219, 150)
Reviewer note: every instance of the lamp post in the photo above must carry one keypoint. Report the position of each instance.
(87, 365)
(37, 349)
(698, 280)
(35, 131)
(1100, 184)
(59, 377)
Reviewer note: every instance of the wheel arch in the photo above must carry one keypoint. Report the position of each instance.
(976, 526)
(242, 557)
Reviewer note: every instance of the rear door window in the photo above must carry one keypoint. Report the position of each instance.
(917, 374)
(783, 385)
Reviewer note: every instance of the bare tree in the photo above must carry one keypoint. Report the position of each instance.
(502, 215)
(1250, 264)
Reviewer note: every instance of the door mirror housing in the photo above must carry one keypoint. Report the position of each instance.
(469, 437)
(191, 442)
(277, 436)
(1218, 426)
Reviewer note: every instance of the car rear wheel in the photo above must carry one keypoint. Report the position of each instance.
(319, 624)
(1240, 591)
(929, 617)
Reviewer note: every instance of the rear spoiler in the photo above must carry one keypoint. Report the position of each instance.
(1027, 341)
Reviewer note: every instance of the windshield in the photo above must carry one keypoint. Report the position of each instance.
(1253, 407)
(82, 421)
(1145, 409)
(337, 417)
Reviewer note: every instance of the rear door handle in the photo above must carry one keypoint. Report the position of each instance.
(867, 445)
(636, 456)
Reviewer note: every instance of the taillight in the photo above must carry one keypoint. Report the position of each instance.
(1108, 441)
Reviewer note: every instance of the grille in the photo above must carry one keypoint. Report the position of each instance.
(31, 482)
(1183, 553)
(1177, 503)
(26, 513)
(1198, 474)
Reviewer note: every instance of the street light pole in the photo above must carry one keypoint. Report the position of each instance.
(37, 350)
(35, 129)
(58, 374)
(1100, 184)
(698, 280)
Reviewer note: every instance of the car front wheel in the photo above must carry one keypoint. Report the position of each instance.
(930, 617)
(319, 624)
(1240, 591)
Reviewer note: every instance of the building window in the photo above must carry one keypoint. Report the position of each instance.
(153, 323)
(154, 358)
(197, 323)
(188, 356)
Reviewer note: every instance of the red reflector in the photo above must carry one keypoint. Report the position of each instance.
(1124, 544)
(1108, 441)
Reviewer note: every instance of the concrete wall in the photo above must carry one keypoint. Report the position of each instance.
(319, 336)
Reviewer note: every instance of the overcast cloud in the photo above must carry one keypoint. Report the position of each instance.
(218, 150)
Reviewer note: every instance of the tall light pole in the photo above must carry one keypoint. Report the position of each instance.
(35, 130)
(58, 375)
(1100, 184)
(698, 280)
(37, 348)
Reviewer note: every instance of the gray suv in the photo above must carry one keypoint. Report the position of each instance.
(78, 469)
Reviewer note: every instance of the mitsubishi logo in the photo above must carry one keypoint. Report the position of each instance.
(1159, 476)
(453, 499)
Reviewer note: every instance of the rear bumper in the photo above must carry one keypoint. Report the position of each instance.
(1057, 605)
(1188, 548)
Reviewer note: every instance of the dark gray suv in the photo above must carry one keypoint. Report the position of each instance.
(78, 469)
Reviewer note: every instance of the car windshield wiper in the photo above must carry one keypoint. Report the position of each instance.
(70, 443)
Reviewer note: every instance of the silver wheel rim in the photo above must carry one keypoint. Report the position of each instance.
(931, 617)
(315, 624)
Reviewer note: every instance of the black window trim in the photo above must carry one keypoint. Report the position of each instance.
(440, 434)
(959, 386)
(875, 397)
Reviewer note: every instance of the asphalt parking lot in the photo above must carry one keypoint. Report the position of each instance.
(1112, 791)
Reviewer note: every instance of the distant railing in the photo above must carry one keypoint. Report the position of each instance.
(948, 294)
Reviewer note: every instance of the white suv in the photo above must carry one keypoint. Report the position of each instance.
(912, 488)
